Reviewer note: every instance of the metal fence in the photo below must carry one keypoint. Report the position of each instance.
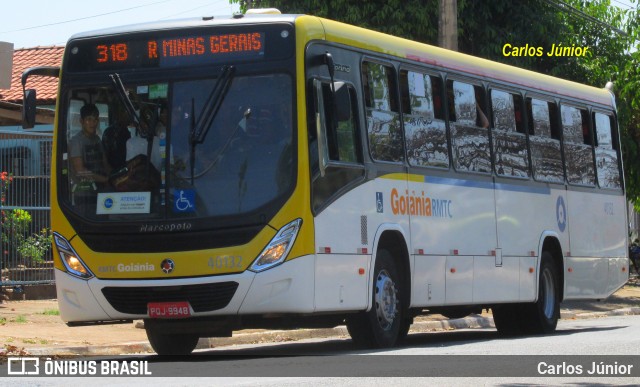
(26, 159)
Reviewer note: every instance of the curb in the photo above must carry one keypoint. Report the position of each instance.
(281, 336)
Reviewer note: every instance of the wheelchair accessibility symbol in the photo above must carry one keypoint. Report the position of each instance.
(185, 201)
(379, 202)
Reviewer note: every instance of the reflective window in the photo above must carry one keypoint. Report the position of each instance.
(383, 118)
(469, 128)
(578, 152)
(504, 117)
(606, 152)
(425, 129)
(544, 141)
(179, 161)
(509, 141)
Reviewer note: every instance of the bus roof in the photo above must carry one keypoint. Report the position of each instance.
(447, 59)
(386, 44)
(200, 22)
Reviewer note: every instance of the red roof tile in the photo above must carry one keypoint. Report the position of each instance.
(46, 87)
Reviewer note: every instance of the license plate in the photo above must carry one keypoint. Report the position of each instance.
(180, 309)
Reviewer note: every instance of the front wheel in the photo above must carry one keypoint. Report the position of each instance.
(382, 326)
(169, 344)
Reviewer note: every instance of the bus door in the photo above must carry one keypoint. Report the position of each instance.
(337, 177)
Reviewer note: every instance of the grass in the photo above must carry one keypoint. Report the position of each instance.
(51, 312)
(3, 320)
(21, 319)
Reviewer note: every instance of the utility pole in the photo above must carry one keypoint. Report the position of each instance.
(448, 24)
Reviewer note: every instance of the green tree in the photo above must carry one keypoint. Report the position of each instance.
(412, 19)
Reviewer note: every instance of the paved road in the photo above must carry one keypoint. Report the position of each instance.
(596, 340)
(472, 353)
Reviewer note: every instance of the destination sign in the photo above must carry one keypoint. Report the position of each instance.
(173, 49)
(248, 45)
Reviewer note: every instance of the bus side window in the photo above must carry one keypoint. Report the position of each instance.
(424, 127)
(469, 140)
(343, 139)
(578, 151)
(606, 151)
(382, 111)
(509, 144)
(544, 141)
(341, 163)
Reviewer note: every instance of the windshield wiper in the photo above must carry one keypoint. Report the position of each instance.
(200, 128)
(151, 120)
(121, 92)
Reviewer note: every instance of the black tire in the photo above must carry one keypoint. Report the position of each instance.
(542, 316)
(507, 319)
(385, 323)
(533, 318)
(169, 344)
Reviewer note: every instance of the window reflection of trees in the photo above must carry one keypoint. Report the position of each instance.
(509, 146)
(426, 138)
(578, 155)
(546, 153)
(385, 138)
(426, 142)
(606, 155)
(383, 124)
(547, 159)
(470, 143)
(471, 148)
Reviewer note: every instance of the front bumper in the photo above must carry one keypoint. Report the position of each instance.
(287, 288)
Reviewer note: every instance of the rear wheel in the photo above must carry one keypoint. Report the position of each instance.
(169, 344)
(542, 316)
(538, 317)
(381, 326)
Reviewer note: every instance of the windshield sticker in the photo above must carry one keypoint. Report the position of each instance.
(160, 90)
(184, 201)
(124, 203)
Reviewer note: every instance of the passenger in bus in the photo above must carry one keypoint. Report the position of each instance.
(86, 153)
(138, 144)
(482, 120)
(115, 137)
(89, 166)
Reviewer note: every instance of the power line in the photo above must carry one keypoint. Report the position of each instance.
(84, 18)
(579, 13)
(626, 6)
(190, 10)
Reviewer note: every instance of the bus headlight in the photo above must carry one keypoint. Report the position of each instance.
(279, 247)
(70, 258)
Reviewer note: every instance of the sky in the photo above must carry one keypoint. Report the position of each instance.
(31, 23)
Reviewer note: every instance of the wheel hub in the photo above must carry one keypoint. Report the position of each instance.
(548, 292)
(386, 299)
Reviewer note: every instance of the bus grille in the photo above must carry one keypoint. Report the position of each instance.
(203, 298)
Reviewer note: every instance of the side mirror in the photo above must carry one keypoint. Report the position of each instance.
(342, 101)
(29, 109)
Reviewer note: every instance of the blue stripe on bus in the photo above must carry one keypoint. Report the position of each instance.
(487, 185)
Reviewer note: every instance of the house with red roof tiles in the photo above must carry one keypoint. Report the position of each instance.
(46, 87)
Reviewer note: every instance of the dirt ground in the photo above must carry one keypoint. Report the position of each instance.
(36, 324)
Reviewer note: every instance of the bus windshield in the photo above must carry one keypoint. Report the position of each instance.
(117, 170)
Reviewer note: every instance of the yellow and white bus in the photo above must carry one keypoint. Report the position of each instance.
(290, 171)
